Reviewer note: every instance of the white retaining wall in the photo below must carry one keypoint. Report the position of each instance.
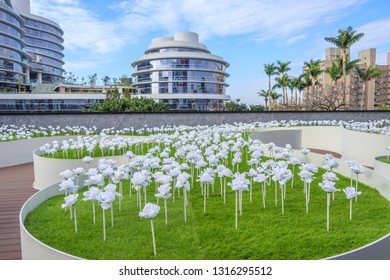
(47, 170)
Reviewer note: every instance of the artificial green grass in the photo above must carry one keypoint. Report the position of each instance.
(261, 234)
(384, 159)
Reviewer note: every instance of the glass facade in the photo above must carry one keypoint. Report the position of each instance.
(46, 105)
(8, 17)
(181, 66)
(5, 28)
(13, 59)
(194, 104)
(44, 44)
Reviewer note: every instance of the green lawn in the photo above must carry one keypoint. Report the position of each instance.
(384, 159)
(261, 234)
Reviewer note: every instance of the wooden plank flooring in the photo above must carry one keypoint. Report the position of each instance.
(15, 188)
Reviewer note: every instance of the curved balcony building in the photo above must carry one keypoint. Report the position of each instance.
(43, 39)
(183, 73)
(14, 65)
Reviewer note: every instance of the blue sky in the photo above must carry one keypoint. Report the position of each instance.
(104, 37)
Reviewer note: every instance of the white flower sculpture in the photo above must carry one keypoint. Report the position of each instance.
(92, 195)
(293, 161)
(356, 168)
(205, 179)
(68, 186)
(67, 174)
(251, 173)
(262, 178)
(149, 212)
(305, 152)
(105, 199)
(87, 159)
(328, 187)
(281, 175)
(164, 192)
(139, 180)
(182, 182)
(111, 188)
(330, 162)
(350, 193)
(239, 184)
(70, 201)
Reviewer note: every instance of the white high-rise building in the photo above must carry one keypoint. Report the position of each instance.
(182, 73)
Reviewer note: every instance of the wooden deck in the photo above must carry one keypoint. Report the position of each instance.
(15, 188)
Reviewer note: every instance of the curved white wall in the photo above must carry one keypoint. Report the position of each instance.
(32, 248)
(323, 137)
(364, 147)
(352, 145)
(382, 168)
(47, 170)
(21, 151)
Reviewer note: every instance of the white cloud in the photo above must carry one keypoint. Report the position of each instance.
(376, 34)
(269, 19)
(83, 30)
(262, 19)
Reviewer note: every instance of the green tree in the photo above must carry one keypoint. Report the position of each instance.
(123, 105)
(293, 85)
(305, 84)
(106, 80)
(336, 70)
(282, 68)
(345, 39)
(92, 79)
(367, 74)
(282, 82)
(256, 108)
(274, 97)
(270, 69)
(313, 70)
(265, 94)
(125, 81)
(236, 106)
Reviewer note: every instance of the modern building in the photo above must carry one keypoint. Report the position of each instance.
(182, 73)
(377, 91)
(31, 49)
(14, 60)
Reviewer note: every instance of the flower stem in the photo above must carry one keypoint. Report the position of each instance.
(154, 240)
(327, 211)
(75, 219)
(236, 209)
(166, 212)
(104, 225)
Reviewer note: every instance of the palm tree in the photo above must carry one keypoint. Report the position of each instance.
(270, 70)
(266, 95)
(282, 82)
(282, 68)
(274, 97)
(304, 85)
(313, 70)
(336, 71)
(344, 41)
(293, 84)
(372, 72)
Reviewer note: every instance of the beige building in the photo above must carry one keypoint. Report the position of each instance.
(377, 91)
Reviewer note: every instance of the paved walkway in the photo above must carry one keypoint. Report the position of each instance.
(15, 188)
